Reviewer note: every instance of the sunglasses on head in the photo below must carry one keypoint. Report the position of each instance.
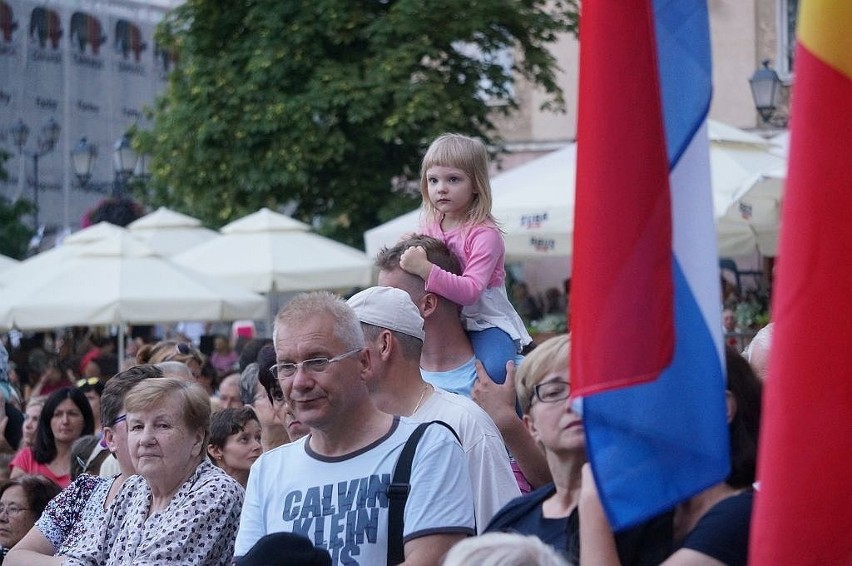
(91, 381)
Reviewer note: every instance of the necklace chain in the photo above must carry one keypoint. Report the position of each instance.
(422, 394)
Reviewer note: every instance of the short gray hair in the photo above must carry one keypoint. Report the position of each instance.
(503, 549)
(305, 306)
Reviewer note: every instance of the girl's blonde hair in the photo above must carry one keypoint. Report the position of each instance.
(469, 155)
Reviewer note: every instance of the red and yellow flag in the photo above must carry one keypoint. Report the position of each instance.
(803, 512)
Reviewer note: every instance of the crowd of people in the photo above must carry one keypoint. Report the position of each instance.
(413, 422)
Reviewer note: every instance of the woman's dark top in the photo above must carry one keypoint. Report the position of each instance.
(646, 544)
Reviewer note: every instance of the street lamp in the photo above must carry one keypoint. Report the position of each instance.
(45, 144)
(142, 167)
(765, 89)
(83, 158)
(123, 162)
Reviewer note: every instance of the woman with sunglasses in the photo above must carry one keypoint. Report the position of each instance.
(550, 512)
(66, 416)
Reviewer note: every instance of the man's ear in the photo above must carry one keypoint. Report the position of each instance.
(428, 304)
(365, 361)
(385, 344)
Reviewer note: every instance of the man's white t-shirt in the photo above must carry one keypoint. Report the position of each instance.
(341, 503)
(491, 475)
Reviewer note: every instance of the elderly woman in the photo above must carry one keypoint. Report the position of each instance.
(78, 512)
(550, 512)
(66, 416)
(180, 508)
(235, 441)
(22, 502)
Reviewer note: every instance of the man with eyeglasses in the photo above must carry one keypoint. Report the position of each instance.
(331, 486)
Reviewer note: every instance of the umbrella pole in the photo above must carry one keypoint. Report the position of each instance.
(120, 345)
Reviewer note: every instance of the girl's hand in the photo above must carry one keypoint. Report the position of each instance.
(414, 261)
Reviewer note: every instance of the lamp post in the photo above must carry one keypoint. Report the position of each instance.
(765, 89)
(123, 162)
(83, 158)
(45, 144)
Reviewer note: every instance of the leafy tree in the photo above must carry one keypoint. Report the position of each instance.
(14, 235)
(321, 104)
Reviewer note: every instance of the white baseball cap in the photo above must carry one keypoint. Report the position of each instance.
(388, 307)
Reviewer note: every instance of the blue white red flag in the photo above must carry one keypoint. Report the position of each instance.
(647, 354)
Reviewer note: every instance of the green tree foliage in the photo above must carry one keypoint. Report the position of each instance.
(14, 234)
(321, 104)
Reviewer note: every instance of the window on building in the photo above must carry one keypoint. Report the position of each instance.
(787, 12)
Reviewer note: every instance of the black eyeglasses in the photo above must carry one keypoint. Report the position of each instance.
(551, 391)
(314, 365)
(118, 419)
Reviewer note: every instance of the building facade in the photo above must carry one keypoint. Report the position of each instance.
(91, 66)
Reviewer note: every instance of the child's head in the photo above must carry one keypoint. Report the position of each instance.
(470, 156)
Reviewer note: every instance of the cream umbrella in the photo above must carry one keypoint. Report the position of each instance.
(7, 263)
(270, 252)
(32, 266)
(119, 280)
(170, 232)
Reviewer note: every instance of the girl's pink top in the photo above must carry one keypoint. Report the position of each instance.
(480, 250)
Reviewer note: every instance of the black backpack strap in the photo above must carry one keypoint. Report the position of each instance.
(398, 492)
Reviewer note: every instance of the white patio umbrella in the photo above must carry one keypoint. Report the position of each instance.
(115, 281)
(32, 266)
(752, 217)
(7, 263)
(170, 232)
(270, 252)
(534, 202)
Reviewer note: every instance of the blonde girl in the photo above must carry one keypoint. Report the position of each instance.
(457, 210)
